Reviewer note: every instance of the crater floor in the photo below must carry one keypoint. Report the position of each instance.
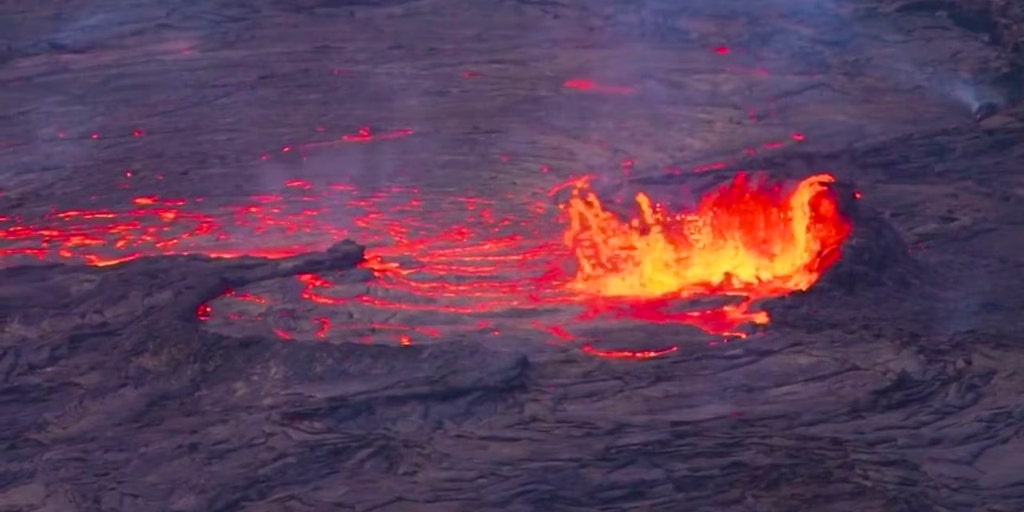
(182, 327)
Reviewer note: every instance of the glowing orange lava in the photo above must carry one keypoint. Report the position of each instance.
(748, 238)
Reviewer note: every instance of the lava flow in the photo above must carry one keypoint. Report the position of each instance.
(747, 239)
(498, 271)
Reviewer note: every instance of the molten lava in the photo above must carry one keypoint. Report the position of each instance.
(501, 261)
(748, 238)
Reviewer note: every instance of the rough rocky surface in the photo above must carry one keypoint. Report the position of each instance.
(893, 385)
(1000, 22)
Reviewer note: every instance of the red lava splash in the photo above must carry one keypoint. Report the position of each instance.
(504, 270)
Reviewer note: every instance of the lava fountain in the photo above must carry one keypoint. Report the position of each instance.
(749, 238)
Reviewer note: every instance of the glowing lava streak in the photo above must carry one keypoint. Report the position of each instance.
(592, 86)
(747, 238)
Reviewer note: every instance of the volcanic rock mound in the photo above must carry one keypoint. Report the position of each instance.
(873, 254)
